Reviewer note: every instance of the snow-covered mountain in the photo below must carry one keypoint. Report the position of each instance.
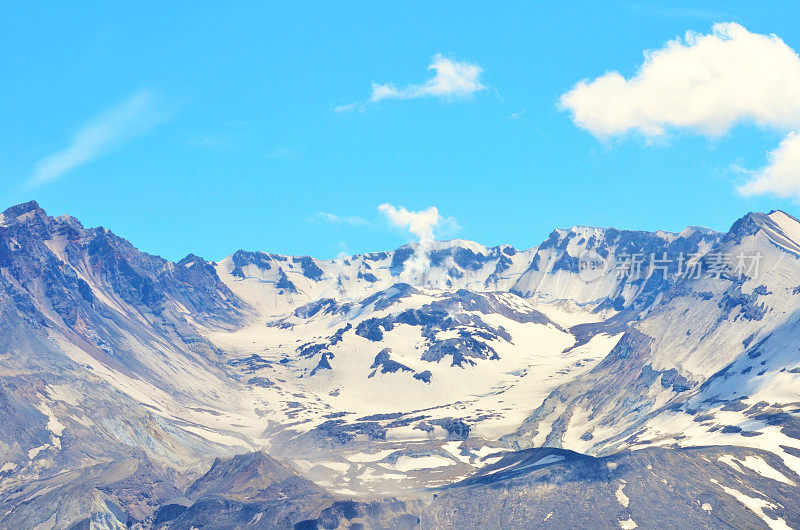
(275, 284)
(714, 362)
(452, 366)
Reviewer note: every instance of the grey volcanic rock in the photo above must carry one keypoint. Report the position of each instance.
(114, 495)
(256, 491)
(544, 487)
(74, 301)
(653, 488)
(250, 490)
(252, 476)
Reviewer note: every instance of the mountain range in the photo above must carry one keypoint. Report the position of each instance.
(605, 378)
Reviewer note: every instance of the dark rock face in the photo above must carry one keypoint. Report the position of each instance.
(242, 258)
(456, 429)
(669, 379)
(424, 376)
(390, 513)
(387, 365)
(367, 276)
(400, 256)
(310, 349)
(373, 328)
(565, 489)
(234, 491)
(310, 269)
(750, 308)
(50, 262)
(325, 306)
(337, 431)
(388, 297)
(284, 284)
(461, 349)
(251, 364)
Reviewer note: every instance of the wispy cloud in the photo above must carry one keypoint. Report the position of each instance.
(340, 109)
(451, 79)
(517, 115)
(351, 220)
(130, 118)
(706, 84)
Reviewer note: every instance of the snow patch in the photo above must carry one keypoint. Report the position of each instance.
(410, 463)
(756, 506)
(621, 497)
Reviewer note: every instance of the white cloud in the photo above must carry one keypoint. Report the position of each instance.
(452, 79)
(352, 220)
(702, 82)
(705, 84)
(422, 224)
(132, 117)
(781, 176)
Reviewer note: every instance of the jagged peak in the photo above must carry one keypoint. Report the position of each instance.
(750, 223)
(577, 229)
(692, 229)
(190, 260)
(20, 212)
(248, 473)
(781, 228)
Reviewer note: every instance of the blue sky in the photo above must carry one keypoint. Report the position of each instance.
(205, 128)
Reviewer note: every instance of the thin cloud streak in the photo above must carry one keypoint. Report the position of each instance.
(351, 220)
(341, 109)
(130, 118)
